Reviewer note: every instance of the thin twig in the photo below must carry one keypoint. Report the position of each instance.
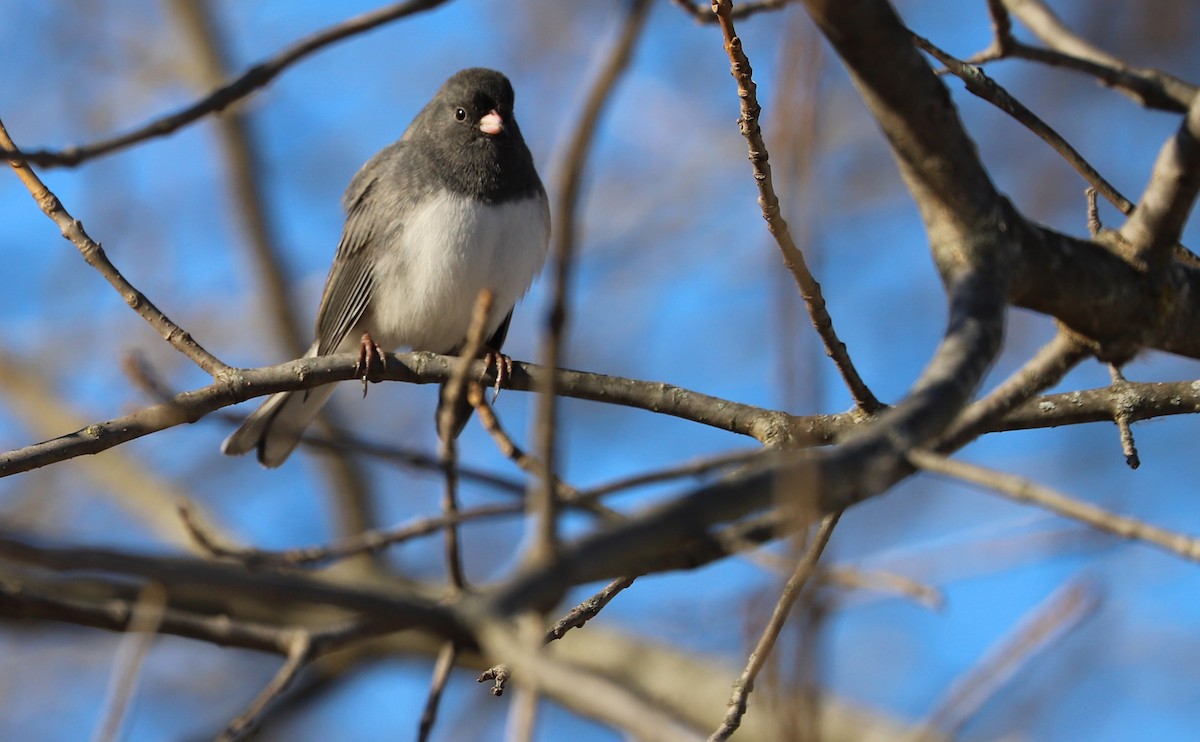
(437, 684)
(1023, 490)
(144, 622)
(72, 229)
(1094, 224)
(1034, 633)
(1123, 403)
(979, 84)
(850, 578)
(762, 650)
(298, 654)
(252, 79)
(704, 14)
(1150, 88)
(574, 619)
(369, 542)
(698, 468)
(449, 424)
(542, 502)
(588, 609)
(793, 258)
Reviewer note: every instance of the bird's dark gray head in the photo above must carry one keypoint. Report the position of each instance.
(471, 138)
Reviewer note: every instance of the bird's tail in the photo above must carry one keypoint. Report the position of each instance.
(275, 427)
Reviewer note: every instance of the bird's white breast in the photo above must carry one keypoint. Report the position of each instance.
(448, 250)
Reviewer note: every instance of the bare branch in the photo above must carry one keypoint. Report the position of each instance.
(986, 88)
(793, 258)
(1156, 225)
(1151, 88)
(437, 684)
(744, 685)
(252, 79)
(72, 229)
(299, 653)
(1023, 490)
(542, 502)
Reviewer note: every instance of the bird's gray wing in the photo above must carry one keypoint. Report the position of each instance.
(351, 279)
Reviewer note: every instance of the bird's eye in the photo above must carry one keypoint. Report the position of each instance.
(460, 114)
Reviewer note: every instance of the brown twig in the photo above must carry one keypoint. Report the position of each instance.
(762, 650)
(698, 468)
(704, 14)
(252, 79)
(299, 652)
(72, 229)
(437, 684)
(542, 502)
(767, 426)
(1023, 490)
(793, 258)
(449, 423)
(574, 619)
(588, 609)
(567, 495)
(979, 84)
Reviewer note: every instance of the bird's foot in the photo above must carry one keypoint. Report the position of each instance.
(503, 365)
(371, 361)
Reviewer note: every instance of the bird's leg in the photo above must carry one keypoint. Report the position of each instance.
(371, 361)
(503, 365)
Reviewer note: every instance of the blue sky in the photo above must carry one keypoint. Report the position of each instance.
(678, 281)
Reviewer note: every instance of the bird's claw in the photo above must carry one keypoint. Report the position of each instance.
(503, 365)
(371, 361)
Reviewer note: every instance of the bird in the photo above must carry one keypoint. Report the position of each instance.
(452, 208)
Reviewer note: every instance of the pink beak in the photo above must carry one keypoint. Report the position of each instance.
(491, 123)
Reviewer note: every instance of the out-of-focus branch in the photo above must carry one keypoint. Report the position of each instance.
(1045, 369)
(368, 542)
(1156, 225)
(146, 497)
(793, 258)
(388, 610)
(244, 172)
(1151, 88)
(542, 502)
(299, 651)
(1033, 634)
(252, 79)
(743, 686)
(142, 629)
(72, 229)
(1023, 490)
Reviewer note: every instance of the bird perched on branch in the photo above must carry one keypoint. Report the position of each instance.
(451, 209)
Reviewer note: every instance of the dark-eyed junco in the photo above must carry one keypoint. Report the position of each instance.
(454, 207)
